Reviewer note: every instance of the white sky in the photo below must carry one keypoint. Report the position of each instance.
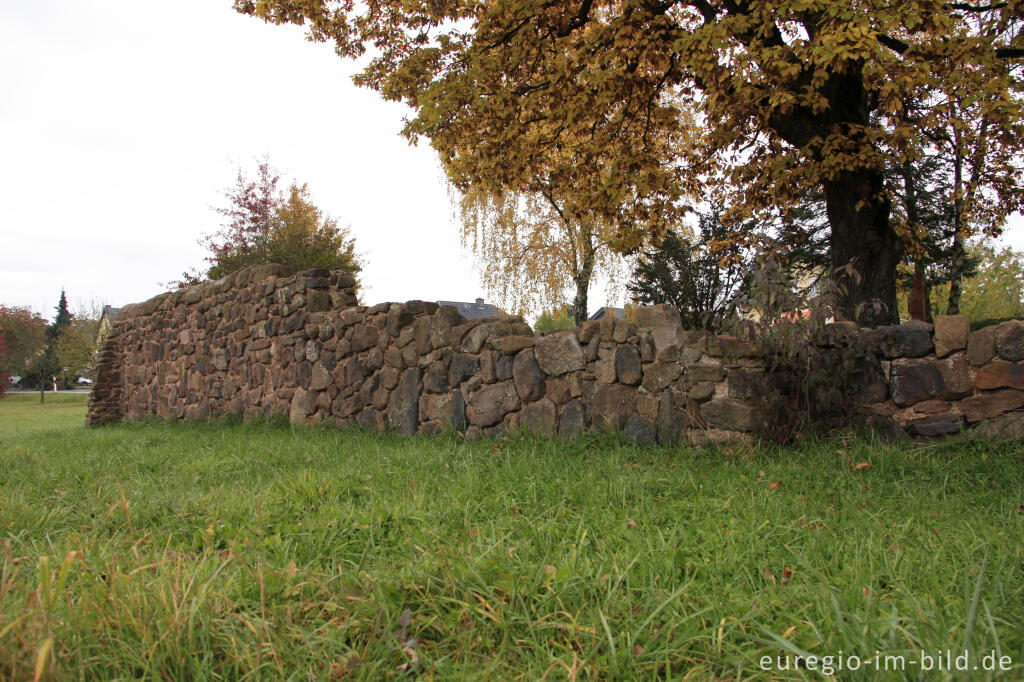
(123, 121)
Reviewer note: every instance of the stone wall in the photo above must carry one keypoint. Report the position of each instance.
(267, 341)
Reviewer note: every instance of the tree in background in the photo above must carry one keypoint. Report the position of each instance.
(551, 320)
(265, 225)
(77, 346)
(702, 282)
(531, 251)
(44, 368)
(996, 291)
(960, 182)
(993, 291)
(657, 100)
(25, 335)
(4, 352)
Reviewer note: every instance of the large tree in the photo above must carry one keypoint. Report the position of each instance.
(531, 251)
(264, 224)
(24, 331)
(637, 104)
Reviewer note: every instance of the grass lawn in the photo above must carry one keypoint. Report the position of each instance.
(226, 551)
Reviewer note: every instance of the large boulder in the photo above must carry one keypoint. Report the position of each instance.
(573, 420)
(935, 425)
(911, 340)
(403, 410)
(915, 381)
(729, 414)
(665, 325)
(671, 419)
(559, 353)
(981, 346)
(640, 430)
(303, 404)
(627, 364)
(447, 408)
(490, 404)
(539, 418)
(462, 368)
(1010, 340)
(951, 333)
(435, 379)
(320, 378)
(363, 337)
(1004, 427)
(529, 379)
(613, 405)
(992, 404)
(510, 345)
(1000, 374)
(660, 375)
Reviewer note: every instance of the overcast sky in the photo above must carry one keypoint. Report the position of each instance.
(123, 121)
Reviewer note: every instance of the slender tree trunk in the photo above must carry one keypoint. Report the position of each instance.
(579, 303)
(956, 276)
(919, 267)
(582, 280)
(858, 212)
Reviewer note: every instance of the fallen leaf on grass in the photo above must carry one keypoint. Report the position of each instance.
(861, 465)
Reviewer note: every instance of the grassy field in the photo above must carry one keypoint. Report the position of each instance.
(227, 551)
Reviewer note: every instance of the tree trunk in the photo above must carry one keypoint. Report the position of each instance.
(42, 392)
(956, 276)
(863, 235)
(919, 267)
(582, 278)
(579, 303)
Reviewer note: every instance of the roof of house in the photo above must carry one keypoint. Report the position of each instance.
(620, 313)
(473, 310)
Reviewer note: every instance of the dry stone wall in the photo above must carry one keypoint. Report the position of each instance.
(266, 341)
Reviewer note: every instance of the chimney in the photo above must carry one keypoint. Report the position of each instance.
(479, 301)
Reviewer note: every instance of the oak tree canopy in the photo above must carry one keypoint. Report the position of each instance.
(644, 107)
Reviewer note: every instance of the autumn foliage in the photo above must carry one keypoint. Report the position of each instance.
(265, 225)
(642, 108)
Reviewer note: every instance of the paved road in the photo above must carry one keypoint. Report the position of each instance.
(77, 391)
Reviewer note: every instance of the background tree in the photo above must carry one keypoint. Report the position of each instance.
(654, 100)
(4, 352)
(551, 320)
(265, 225)
(996, 291)
(531, 251)
(25, 334)
(702, 283)
(77, 346)
(44, 367)
(962, 181)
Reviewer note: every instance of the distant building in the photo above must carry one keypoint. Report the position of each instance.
(619, 313)
(473, 311)
(106, 323)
